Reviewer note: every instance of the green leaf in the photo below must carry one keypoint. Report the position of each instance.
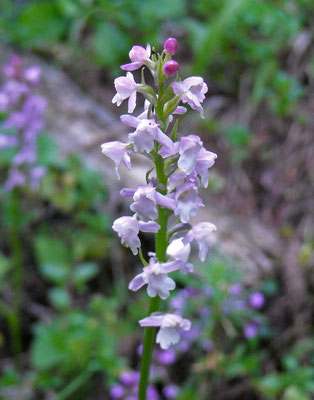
(48, 349)
(47, 150)
(60, 298)
(273, 384)
(5, 265)
(163, 9)
(84, 272)
(40, 24)
(52, 250)
(293, 393)
(238, 136)
(69, 8)
(110, 44)
(57, 273)
(54, 258)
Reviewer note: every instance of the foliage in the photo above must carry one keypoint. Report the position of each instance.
(296, 379)
(76, 342)
(225, 37)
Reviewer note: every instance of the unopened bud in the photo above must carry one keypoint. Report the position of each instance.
(171, 46)
(170, 68)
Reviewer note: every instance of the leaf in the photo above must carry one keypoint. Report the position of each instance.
(84, 272)
(47, 150)
(163, 9)
(49, 347)
(293, 393)
(273, 384)
(238, 136)
(110, 44)
(40, 24)
(60, 298)
(69, 8)
(5, 265)
(57, 273)
(52, 250)
(54, 258)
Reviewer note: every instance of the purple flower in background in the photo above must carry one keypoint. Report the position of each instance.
(177, 302)
(13, 68)
(14, 90)
(127, 388)
(129, 377)
(26, 155)
(170, 391)
(16, 178)
(126, 89)
(165, 357)
(152, 393)
(236, 289)
(250, 330)
(189, 291)
(117, 391)
(7, 141)
(207, 345)
(256, 300)
(32, 74)
(36, 173)
(204, 312)
(4, 101)
(24, 120)
(192, 91)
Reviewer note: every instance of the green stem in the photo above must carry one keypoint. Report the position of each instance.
(17, 278)
(160, 247)
(148, 345)
(73, 386)
(13, 325)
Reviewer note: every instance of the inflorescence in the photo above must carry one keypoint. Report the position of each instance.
(164, 205)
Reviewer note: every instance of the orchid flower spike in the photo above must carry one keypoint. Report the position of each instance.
(166, 203)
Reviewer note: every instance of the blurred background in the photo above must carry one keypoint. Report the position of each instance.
(69, 326)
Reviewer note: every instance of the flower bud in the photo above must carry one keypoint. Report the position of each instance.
(171, 46)
(170, 68)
